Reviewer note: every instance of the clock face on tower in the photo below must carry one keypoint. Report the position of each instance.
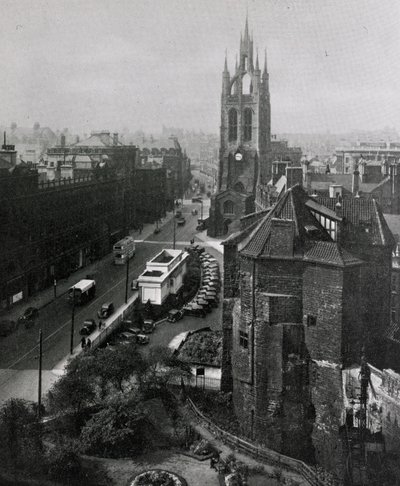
(238, 156)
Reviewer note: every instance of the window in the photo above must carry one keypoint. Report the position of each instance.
(247, 85)
(232, 116)
(228, 207)
(247, 120)
(311, 320)
(243, 339)
(171, 282)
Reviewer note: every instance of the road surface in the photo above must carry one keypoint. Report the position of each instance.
(19, 351)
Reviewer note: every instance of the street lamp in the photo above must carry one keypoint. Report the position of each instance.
(71, 347)
(201, 210)
(174, 233)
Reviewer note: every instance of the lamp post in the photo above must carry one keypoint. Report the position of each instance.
(40, 375)
(71, 347)
(127, 280)
(201, 210)
(55, 288)
(174, 233)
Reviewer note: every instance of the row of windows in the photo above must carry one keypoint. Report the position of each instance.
(233, 124)
(328, 224)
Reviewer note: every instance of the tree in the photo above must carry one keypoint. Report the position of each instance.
(20, 431)
(161, 368)
(116, 429)
(72, 393)
(117, 367)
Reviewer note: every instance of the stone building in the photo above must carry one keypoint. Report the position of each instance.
(245, 139)
(306, 287)
(49, 229)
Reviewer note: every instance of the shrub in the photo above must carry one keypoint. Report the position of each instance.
(63, 462)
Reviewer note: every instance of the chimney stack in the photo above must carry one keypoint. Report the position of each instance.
(355, 186)
(115, 138)
(62, 141)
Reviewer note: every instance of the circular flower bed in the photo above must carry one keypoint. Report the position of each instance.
(158, 477)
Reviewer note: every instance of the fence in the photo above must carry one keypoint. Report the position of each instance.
(202, 382)
(260, 452)
(66, 181)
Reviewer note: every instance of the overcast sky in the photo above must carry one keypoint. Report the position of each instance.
(93, 64)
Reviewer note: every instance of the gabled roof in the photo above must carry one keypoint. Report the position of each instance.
(97, 139)
(291, 230)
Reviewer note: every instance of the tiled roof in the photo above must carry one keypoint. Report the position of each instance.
(393, 332)
(393, 221)
(359, 211)
(321, 182)
(363, 222)
(329, 252)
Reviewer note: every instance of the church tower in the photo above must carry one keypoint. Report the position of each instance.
(245, 136)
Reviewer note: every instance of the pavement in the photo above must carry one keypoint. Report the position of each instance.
(23, 383)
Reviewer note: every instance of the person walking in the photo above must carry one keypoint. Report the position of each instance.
(83, 342)
(100, 324)
(88, 344)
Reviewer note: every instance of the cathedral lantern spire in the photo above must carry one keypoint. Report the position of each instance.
(257, 64)
(226, 62)
(265, 63)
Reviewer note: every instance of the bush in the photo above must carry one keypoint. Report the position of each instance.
(64, 464)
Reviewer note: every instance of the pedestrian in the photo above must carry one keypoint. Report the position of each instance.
(88, 343)
(83, 342)
(100, 324)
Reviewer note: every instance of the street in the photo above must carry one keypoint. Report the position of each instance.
(19, 351)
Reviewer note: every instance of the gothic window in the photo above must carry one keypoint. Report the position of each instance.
(228, 207)
(239, 187)
(247, 121)
(247, 85)
(232, 125)
(243, 339)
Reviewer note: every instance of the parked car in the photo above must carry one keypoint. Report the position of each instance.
(178, 214)
(126, 336)
(194, 212)
(29, 316)
(106, 310)
(134, 330)
(89, 325)
(174, 315)
(142, 339)
(194, 310)
(135, 284)
(197, 199)
(181, 221)
(148, 326)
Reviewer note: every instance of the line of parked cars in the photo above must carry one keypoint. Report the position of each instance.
(207, 296)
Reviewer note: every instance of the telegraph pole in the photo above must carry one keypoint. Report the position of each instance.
(71, 347)
(127, 280)
(173, 212)
(40, 375)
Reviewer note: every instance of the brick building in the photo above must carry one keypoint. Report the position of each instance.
(49, 229)
(366, 180)
(306, 286)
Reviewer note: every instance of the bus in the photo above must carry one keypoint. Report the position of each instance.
(82, 291)
(124, 250)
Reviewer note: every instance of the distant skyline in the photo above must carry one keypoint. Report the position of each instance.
(140, 64)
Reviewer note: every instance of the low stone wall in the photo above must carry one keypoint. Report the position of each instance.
(260, 453)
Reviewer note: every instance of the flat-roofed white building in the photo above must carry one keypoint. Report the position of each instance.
(163, 276)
